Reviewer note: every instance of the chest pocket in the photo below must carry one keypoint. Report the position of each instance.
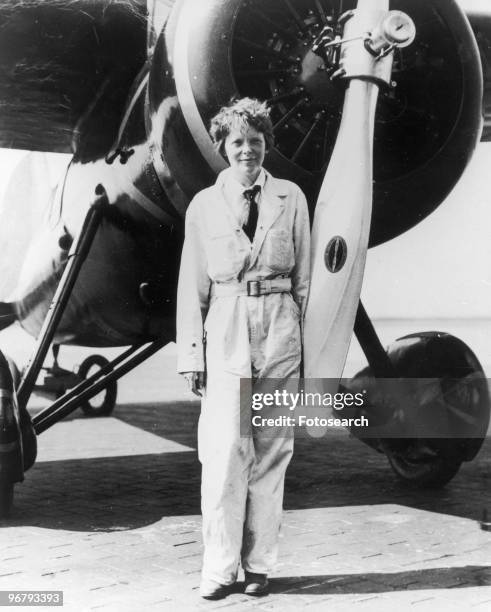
(278, 250)
(225, 256)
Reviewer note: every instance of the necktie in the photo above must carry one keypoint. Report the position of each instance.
(250, 226)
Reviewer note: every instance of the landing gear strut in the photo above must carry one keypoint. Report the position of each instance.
(17, 431)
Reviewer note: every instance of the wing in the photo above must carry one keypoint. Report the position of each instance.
(57, 58)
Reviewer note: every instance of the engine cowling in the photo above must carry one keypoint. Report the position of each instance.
(427, 125)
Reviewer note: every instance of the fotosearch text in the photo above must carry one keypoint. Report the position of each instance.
(305, 421)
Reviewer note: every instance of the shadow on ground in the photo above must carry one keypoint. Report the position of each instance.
(114, 493)
(380, 582)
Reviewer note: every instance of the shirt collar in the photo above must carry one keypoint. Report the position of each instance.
(237, 188)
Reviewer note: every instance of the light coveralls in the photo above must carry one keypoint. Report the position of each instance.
(241, 337)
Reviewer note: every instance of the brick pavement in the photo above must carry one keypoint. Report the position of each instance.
(119, 530)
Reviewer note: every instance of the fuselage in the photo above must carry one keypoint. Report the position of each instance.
(125, 291)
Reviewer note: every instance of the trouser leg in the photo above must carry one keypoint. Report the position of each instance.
(265, 501)
(273, 447)
(226, 463)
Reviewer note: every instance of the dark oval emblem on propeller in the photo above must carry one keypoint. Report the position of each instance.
(335, 254)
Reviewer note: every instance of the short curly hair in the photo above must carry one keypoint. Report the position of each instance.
(242, 113)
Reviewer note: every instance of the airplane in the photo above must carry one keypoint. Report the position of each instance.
(128, 89)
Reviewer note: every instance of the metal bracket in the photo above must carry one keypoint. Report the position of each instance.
(380, 32)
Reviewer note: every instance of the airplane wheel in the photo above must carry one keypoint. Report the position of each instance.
(463, 406)
(448, 398)
(430, 472)
(103, 403)
(6, 499)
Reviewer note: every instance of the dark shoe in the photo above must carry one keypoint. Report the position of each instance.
(256, 584)
(209, 589)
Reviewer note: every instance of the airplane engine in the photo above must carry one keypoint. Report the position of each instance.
(428, 121)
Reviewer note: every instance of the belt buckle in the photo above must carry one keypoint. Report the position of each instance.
(254, 288)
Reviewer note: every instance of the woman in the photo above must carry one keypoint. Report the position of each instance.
(247, 227)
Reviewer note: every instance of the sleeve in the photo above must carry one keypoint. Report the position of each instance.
(192, 296)
(301, 238)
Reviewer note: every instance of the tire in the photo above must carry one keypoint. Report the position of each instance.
(431, 472)
(462, 401)
(6, 499)
(108, 396)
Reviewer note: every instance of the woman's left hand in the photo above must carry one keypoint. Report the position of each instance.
(196, 382)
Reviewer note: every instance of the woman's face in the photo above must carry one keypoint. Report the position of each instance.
(245, 150)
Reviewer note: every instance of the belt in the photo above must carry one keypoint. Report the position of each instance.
(253, 288)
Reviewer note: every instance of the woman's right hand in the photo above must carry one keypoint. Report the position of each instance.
(196, 382)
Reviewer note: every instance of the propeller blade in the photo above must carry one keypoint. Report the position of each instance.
(343, 212)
